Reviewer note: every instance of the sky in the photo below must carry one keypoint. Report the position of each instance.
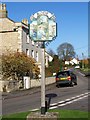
(71, 19)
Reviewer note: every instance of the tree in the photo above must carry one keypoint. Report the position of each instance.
(18, 64)
(54, 66)
(66, 51)
(51, 52)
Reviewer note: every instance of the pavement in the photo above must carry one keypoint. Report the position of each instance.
(22, 92)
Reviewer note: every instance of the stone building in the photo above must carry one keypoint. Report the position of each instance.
(14, 36)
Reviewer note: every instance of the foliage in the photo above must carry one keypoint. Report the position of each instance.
(18, 64)
(65, 51)
(63, 115)
(89, 63)
(48, 72)
(55, 66)
(71, 114)
(85, 63)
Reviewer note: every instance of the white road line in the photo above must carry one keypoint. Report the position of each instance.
(53, 104)
(34, 110)
(80, 98)
(66, 102)
(61, 102)
(53, 107)
(67, 99)
(81, 74)
(73, 97)
(71, 101)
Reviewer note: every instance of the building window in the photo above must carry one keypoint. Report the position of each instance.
(14, 29)
(2, 7)
(32, 53)
(27, 39)
(27, 52)
(36, 56)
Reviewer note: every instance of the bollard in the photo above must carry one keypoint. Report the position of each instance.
(46, 106)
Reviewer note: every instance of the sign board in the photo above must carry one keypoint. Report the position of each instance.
(42, 27)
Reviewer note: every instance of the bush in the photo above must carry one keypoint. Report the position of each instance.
(18, 64)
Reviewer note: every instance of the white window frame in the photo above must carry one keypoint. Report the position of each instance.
(36, 56)
(27, 52)
(32, 53)
(27, 39)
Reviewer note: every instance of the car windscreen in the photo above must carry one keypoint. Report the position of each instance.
(63, 74)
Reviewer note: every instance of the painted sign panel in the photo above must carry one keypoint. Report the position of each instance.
(43, 26)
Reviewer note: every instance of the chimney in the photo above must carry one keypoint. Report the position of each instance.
(25, 21)
(3, 11)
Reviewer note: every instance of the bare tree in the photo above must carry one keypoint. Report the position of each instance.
(51, 52)
(66, 51)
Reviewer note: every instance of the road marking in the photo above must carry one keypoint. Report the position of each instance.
(81, 74)
(69, 101)
(33, 110)
(72, 101)
(66, 101)
(60, 102)
(54, 104)
(53, 107)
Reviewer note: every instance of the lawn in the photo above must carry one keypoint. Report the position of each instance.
(63, 115)
(86, 69)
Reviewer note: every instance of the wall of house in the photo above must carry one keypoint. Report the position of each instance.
(9, 41)
(31, 46)
(9, 37)
(6, 24)
(35, 83)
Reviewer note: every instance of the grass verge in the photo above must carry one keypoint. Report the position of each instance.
(63, 115)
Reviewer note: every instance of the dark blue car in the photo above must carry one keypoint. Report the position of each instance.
(66, 77)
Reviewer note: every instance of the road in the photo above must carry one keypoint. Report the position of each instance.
(65, 97)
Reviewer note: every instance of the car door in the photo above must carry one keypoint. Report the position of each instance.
(74, 77)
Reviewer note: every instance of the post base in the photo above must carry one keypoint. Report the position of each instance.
(39, 116)
(43, 110)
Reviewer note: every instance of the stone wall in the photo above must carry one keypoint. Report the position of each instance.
(12, 85)
(9, 36)
(9, 41)
(37, 82)
(6, 24)
(7, 86)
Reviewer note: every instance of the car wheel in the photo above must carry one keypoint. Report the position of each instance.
(57, 85)
(75, 83)
(71, 84)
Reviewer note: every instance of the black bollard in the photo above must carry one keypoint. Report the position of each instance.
(46, 106)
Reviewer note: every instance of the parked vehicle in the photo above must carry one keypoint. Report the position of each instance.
(66, 77)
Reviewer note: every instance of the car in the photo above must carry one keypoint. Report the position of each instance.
(66, 77)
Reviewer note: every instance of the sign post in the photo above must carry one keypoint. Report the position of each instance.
(42, 29)
(43, 110)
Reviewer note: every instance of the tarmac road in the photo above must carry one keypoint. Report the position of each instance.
(31, 99)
